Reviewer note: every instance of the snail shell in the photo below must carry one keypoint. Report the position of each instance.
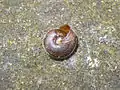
(60, 43)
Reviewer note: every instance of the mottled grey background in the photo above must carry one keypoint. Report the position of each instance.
(24, 64)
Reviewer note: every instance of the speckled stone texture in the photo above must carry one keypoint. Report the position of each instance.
(24, 64)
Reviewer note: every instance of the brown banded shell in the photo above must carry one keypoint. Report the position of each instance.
(60, 43)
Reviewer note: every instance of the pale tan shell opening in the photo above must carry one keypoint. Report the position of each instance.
(65, 28)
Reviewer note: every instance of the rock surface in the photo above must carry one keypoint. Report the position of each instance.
(24, 64)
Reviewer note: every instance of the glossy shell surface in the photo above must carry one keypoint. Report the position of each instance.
(60, 43)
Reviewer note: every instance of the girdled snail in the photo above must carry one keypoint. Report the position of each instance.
(61, 43)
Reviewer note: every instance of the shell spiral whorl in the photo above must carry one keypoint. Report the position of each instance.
(60, 43)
